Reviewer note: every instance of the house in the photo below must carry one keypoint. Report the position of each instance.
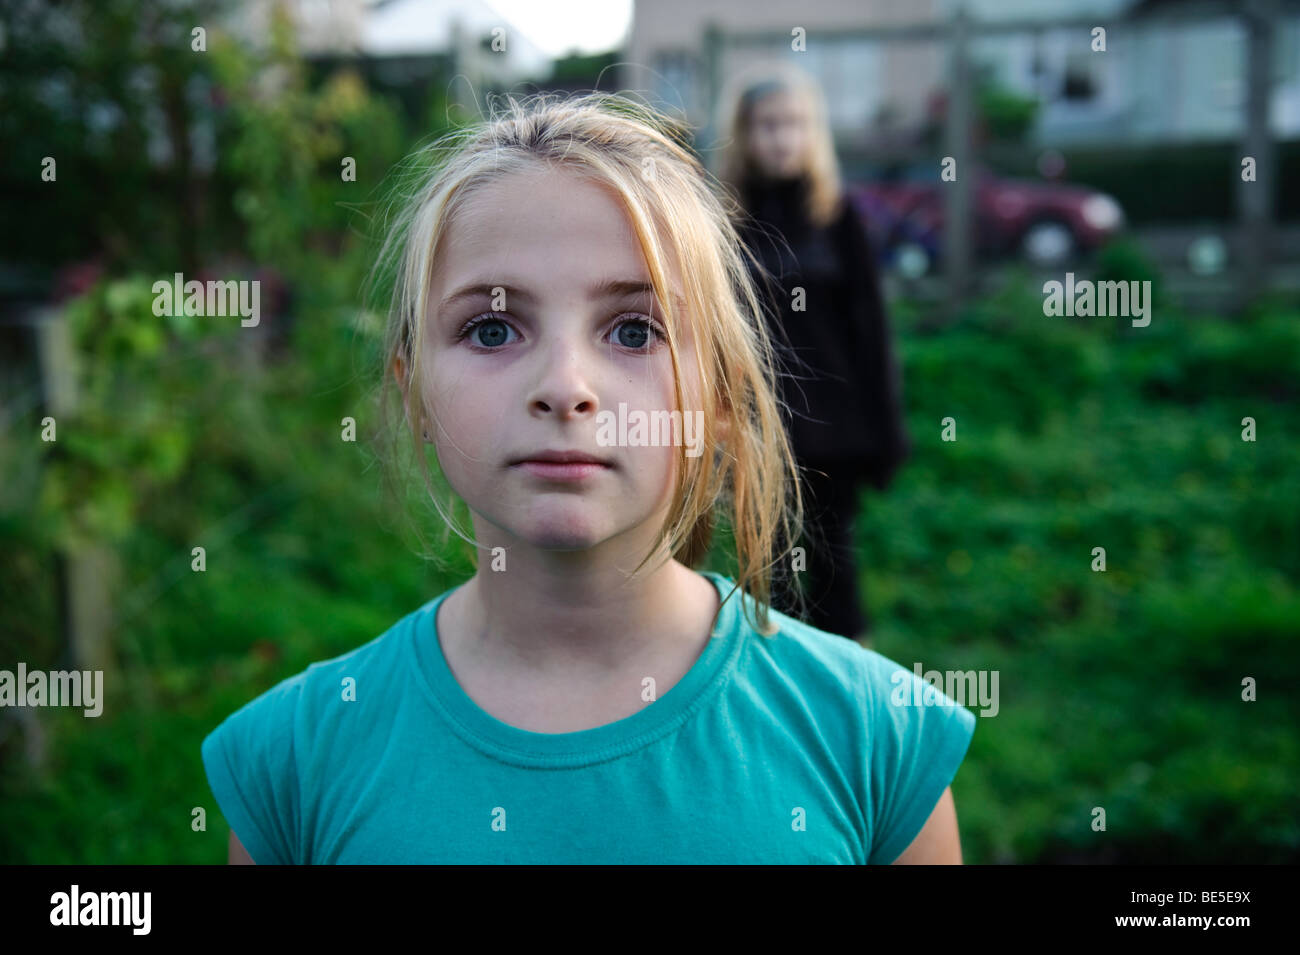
(1170, 71)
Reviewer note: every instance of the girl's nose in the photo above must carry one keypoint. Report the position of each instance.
(563, 386)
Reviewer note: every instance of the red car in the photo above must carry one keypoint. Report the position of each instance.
(1047, 223)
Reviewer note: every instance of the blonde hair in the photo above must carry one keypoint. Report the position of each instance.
(825, 190)
(680, 219)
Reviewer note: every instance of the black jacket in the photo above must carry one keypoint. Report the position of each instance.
(840, 376)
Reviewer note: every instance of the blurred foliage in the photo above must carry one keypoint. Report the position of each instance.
(1006, 116)
(168, 157)
(125, 443)
(1123, 260)
(289, 145)
(1119, 689)
(110, 90)
(585, 69)
(1003, 118)
(189, 430)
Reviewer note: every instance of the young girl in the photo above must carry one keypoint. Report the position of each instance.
(586, 696)
(844, 385)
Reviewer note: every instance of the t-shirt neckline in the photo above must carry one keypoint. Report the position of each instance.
(522, 747)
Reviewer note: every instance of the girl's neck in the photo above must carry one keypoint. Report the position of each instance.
(534, 619)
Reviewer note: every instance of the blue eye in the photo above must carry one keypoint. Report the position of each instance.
(486, 331)
(635, 333)
(640, 334)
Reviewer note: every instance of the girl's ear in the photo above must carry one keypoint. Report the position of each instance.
(399, 372)
(723, 422)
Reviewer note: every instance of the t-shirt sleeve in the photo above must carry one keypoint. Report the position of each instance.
(915, 750)
(249, 760)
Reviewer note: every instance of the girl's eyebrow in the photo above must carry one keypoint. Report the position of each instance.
(609, 288)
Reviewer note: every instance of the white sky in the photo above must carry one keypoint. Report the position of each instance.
(558, 27)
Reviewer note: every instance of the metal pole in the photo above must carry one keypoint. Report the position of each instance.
(712, 79)
(1255, 199)
(957, 194)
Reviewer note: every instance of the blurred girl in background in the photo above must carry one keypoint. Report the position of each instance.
(842, 386)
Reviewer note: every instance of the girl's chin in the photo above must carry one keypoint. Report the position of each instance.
(558, 532)
(560, 525)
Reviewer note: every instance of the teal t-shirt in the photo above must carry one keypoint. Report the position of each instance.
(784, 749)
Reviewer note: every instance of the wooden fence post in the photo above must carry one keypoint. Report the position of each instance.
(87, 575)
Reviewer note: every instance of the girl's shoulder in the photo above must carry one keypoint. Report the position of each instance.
(832, 671)
(826, 665)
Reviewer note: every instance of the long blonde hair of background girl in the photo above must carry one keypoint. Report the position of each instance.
(682, 225)
(821, 166)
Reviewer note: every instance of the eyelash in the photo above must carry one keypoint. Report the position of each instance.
(640, 318)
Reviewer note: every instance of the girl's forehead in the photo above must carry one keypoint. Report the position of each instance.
(534, 207)
(546, 226)
(543, 186)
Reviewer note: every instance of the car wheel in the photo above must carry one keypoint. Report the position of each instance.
(911, 260)
(1048, 243)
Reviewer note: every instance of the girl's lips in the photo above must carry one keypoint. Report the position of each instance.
(562, 471)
